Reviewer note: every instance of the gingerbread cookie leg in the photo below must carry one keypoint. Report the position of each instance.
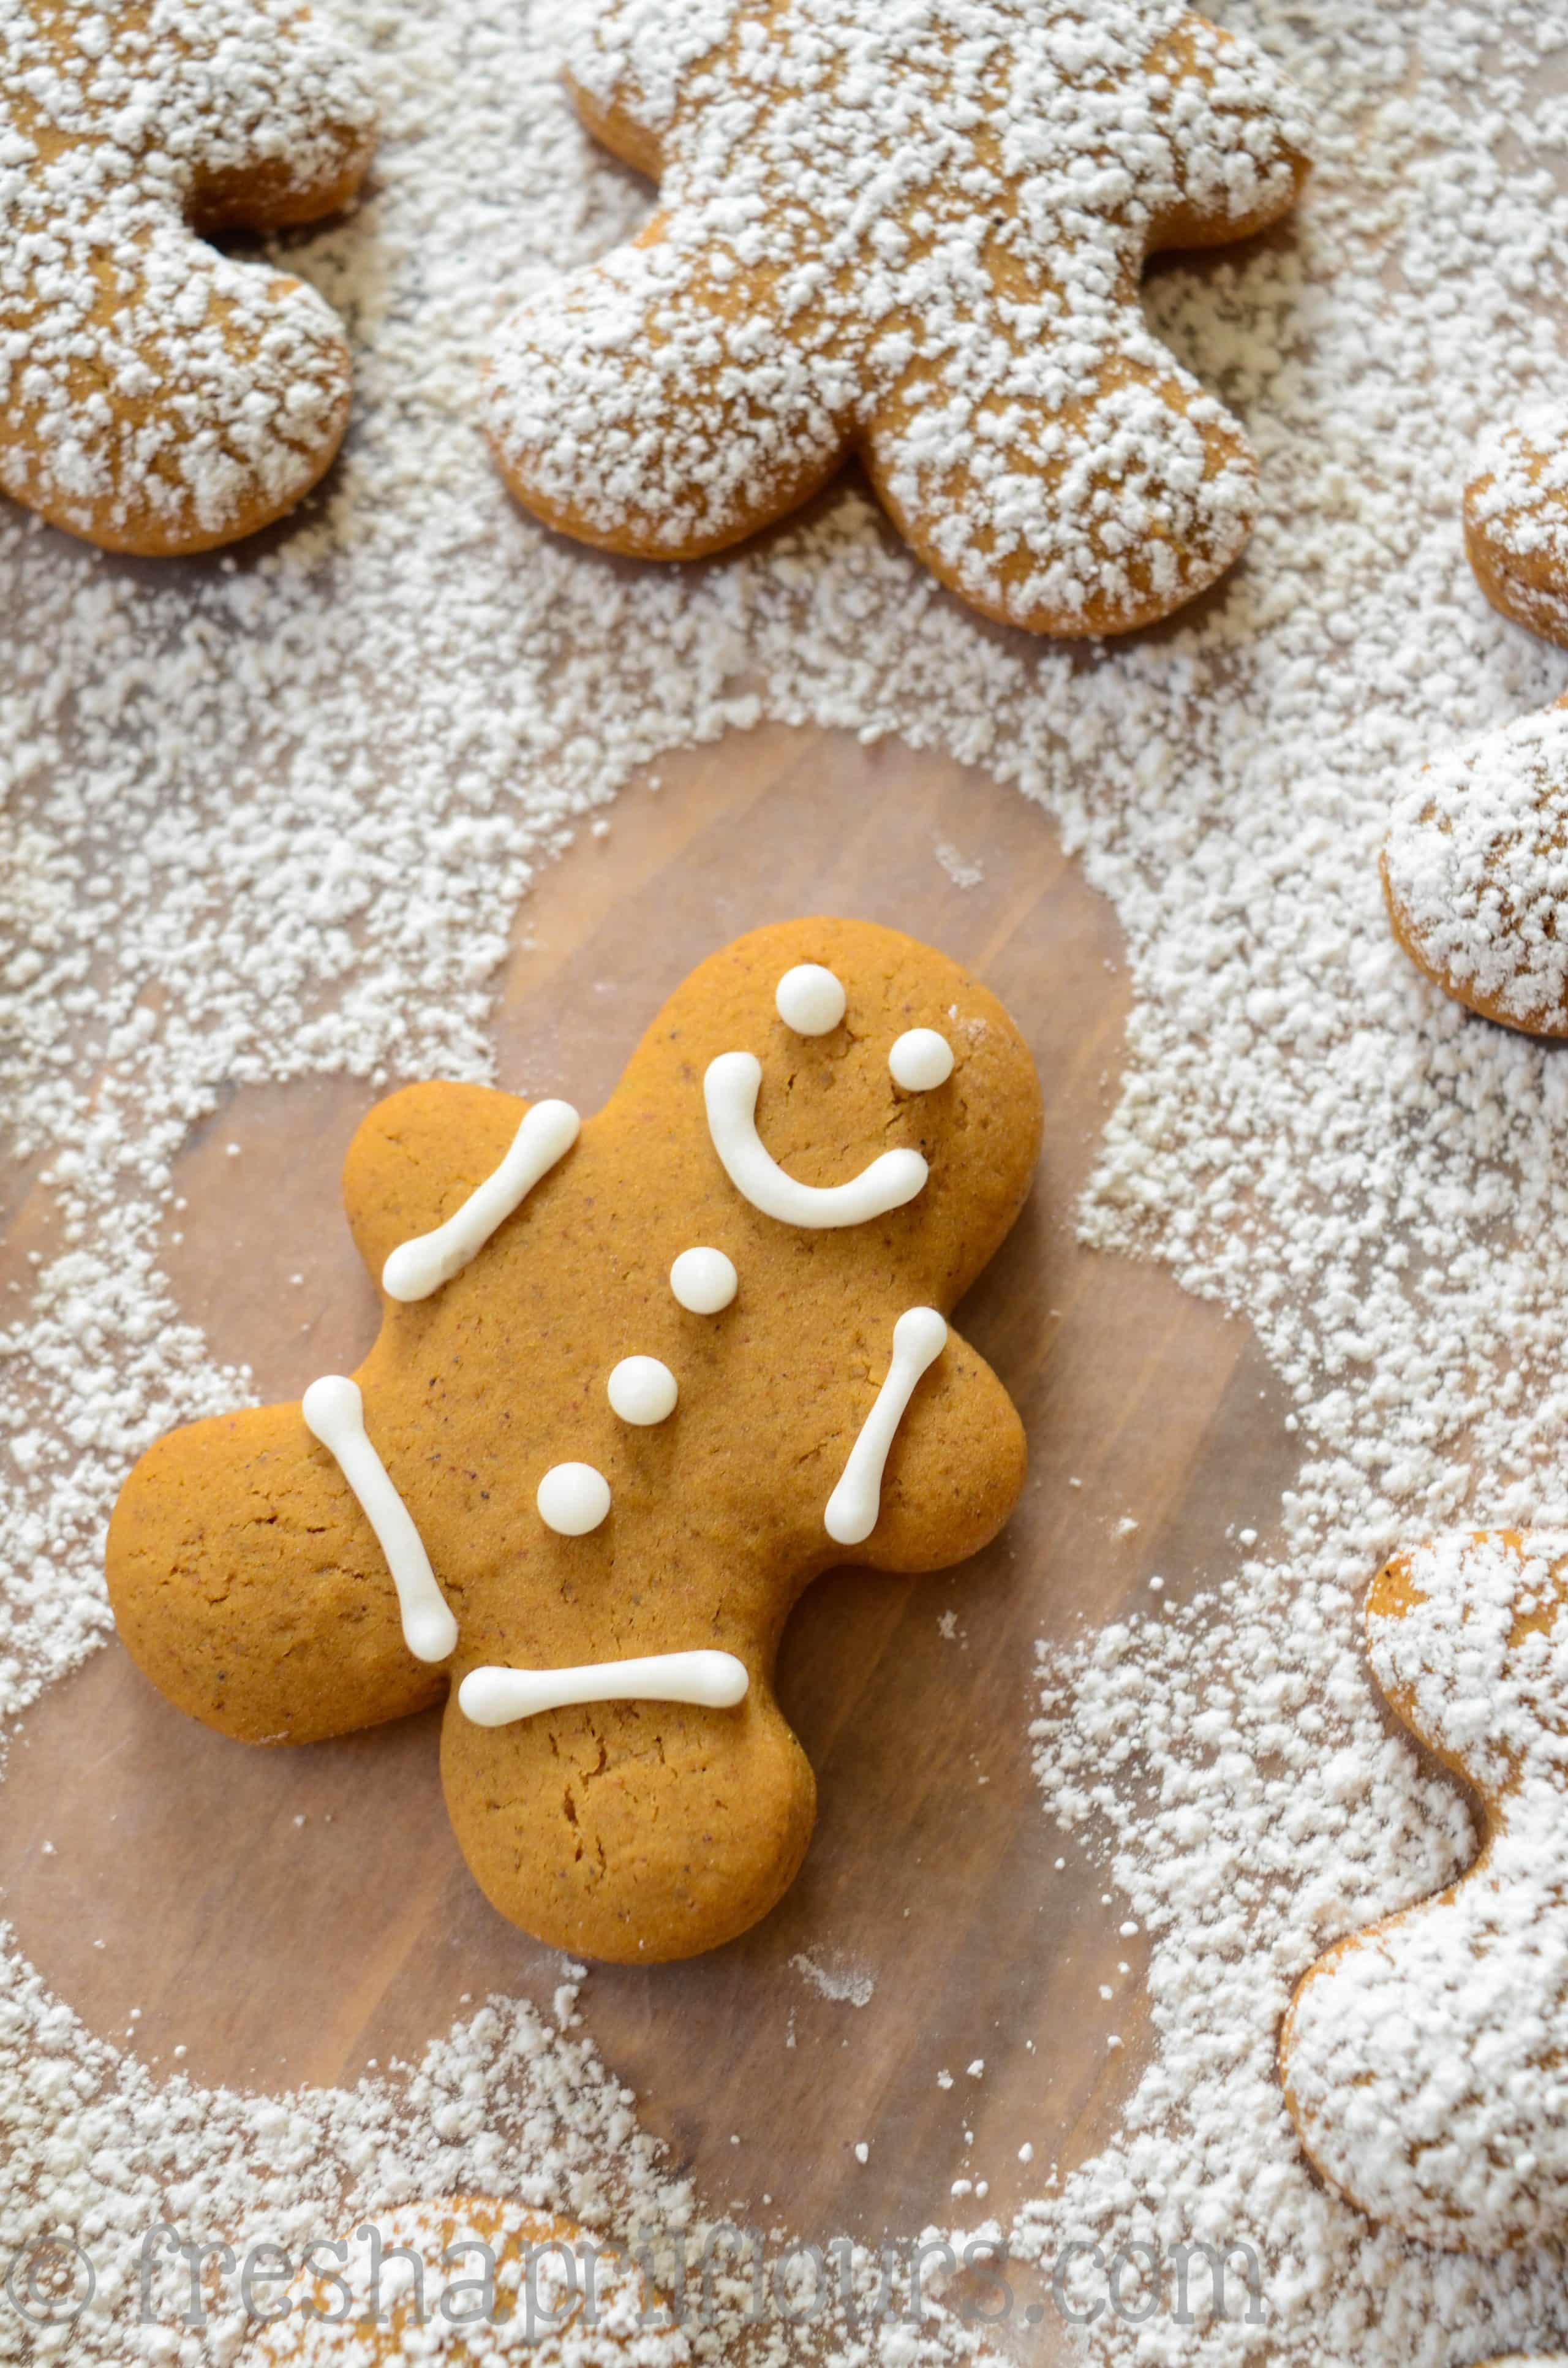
(1091, 515)
(614, 413)
(635, 1830)
(248, 1584)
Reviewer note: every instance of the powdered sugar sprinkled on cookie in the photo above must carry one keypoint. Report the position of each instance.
(915, 230)
(156, 395)
(1426, 2062)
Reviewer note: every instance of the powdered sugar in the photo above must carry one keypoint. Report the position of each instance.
(916, 230)
(275, 818)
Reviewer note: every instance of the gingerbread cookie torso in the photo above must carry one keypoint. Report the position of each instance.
(1425, 2061)
(1475, 866)
(915, 232)
(637, 1381)
(156, 396)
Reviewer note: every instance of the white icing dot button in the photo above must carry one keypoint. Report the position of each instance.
(810, 999)
(921, 1060)
(704, 1281)
(572, 1499)
(644, 1391)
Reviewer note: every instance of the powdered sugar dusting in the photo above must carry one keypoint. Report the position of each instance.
(274, 818)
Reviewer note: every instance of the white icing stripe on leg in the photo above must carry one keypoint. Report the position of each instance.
(417, 1267)
(498, 1697)
(334, 1413)
(918, 1339)
(730, 1090)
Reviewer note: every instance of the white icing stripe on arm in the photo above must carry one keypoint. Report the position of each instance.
(334, 1413)
(918, 1339)
(730, 1090)
(496, 1697)
(417, 1267)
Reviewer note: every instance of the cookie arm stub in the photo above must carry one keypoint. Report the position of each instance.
(334, 1413)
(496, 1697)
(918, 1339)
(419, 1266)
(730, 1090)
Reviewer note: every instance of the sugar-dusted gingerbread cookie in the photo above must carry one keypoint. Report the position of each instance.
(457, 2280)
(637, 1383)
(1475, 868)
(916, 235)
(1425, 2061)
(157, 396)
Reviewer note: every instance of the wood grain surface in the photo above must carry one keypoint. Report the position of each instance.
(289, 1917)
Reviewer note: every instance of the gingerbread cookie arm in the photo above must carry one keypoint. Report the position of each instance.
(246, 1583)
(635, 1831)
(1236, 134)
(418, 1158)
(621, 412)
(954, 1472)
(1515, 520)
(1425, 2060)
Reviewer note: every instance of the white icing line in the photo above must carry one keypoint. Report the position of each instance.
(334, 1413)
(730, 1090)
(417, 1267)
(496, 1697)
(918, 1339)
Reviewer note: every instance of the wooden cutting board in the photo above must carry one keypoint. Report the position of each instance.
(289, 1917)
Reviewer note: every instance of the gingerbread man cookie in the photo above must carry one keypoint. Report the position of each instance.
(1475, 868)
(453, 2280)
(156, 396)
(1425, 2061)
(638, 1380)
(914, 233)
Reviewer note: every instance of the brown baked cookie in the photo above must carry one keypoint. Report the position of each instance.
(705, 1359)
(156, 396)
(465, 2277)
(1475, 866)
(916, 236)
(1426, 2060)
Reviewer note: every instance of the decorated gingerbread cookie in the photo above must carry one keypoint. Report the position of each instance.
(1475, 868)
(157, 396)
(638, 1380)
(468, 2278)
(915, 234)
(1425, 2061)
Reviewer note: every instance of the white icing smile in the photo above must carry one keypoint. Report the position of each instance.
(730, 1090)
(498, 1697)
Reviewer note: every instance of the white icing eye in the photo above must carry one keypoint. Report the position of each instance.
(810, 999)
(704, 1281)
(572, 1499)
(921, 1060)
(643, 1391)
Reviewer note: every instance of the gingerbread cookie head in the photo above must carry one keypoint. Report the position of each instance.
(918, 235)
(1425, 2061)
(156, 396)
(637, 1381)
